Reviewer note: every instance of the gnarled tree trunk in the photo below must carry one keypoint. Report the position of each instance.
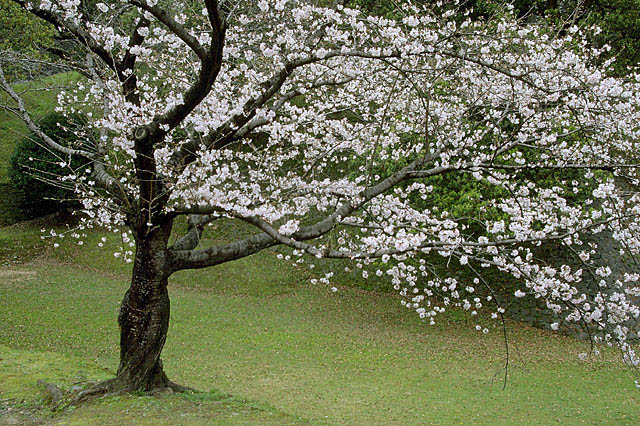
(144, 313)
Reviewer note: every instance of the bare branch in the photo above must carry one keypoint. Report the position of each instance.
(33, 126)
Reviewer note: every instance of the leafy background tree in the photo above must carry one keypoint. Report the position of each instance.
(35, 169)
(619, 20)
(21, 31)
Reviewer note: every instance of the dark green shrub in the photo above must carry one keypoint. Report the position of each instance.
(35, 168)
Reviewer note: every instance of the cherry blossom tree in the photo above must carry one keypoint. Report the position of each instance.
(310, 120)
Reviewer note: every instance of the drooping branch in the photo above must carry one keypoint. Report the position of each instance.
(24, 115)
(105, 180)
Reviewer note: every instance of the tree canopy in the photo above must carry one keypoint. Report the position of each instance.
(326, 128)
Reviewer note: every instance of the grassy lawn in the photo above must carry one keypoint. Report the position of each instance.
(286, 350)
(18, 367)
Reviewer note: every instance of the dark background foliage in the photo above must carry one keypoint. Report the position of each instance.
(34, 166)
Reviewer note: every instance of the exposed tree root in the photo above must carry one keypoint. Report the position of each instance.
(117, 386)
(99, 389)
(179, 388)
(55, 395)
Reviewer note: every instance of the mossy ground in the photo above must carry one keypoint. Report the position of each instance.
(24, 401)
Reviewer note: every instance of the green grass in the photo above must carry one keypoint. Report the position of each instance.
(256, 329)
(23, 395)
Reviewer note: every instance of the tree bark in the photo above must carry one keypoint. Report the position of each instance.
(144, 313)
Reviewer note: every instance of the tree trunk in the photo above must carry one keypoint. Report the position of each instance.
(144, 313)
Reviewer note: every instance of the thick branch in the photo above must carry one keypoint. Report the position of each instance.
(279, 238)
(191, 239)
(125, 74)
(195, 259)
(211, 63)
(191, 259)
